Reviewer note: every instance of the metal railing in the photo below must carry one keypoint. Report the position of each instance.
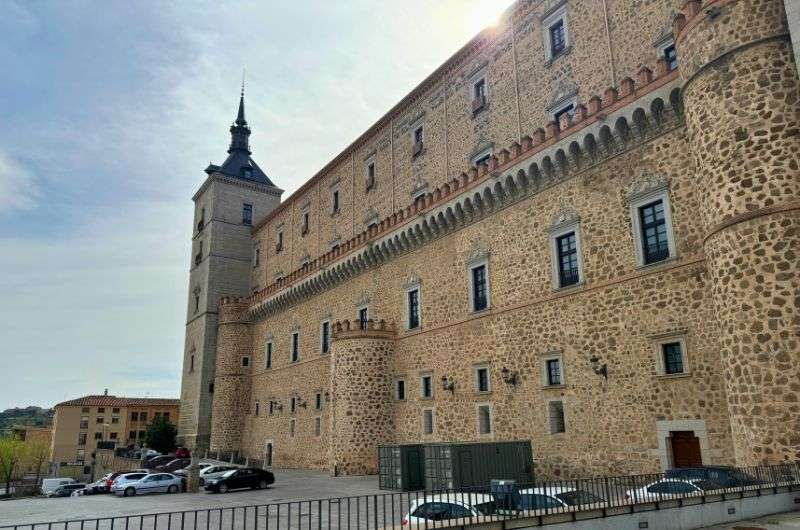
(447, 508)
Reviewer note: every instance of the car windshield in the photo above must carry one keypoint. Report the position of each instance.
(134, 476)
(577, 497)
(230, 473)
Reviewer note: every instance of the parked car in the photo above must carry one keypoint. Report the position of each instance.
(121, 480)
(65, 490)
(97, 487)
(452, 506)
(245, 477)
(174, 465)
(185, 471)
(160, 460)
(151, 483)
(557, 497)
(213, 472)
(182, 452)
(50, 484)
(725, 476)
(670, 489)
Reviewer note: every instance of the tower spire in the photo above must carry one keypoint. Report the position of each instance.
(240, 132)
(240, 116)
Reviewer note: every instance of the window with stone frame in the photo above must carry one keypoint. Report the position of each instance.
(257, 255)
(335, 206)
(565, 247)
(482, 380)
(670, 54)
(555, 32)
(419, 141)
(293, 404)
(485, 423)
(412, 303)
(279, 242)
(480, 287)
(426, 386)
(268, 355)
(428, 421)
(671, 358)
(256, 408)
(553, 369)
(317, 426)
(651, 220)
(325, 337)
(295, 349)
(555, 411)
(363, 317)
(245, 361)
(306, 223)
(318, 401)
(370, 175)
(247, 214)
(400, 389)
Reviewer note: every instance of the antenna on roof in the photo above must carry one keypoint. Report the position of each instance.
(105, 392)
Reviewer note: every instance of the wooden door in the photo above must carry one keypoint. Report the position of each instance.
(685, 449)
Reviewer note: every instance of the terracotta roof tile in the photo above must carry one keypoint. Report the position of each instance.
(114, 401)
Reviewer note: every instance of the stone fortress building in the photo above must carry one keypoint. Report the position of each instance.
(582, 230)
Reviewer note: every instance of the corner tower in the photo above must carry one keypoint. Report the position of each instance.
(743, 118)
(233, 197)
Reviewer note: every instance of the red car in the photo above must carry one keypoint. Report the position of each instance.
(182, 452)
(113, 476)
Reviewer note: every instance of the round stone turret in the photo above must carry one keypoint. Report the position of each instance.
(232, 381)
(741, 96)
(361, 387)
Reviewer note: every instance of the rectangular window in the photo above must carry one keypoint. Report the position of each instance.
(292, 428)
(317, 426)
(141, 435)
(671, 56)
(426, 386)
(479, 90)
(295, 346)
(157, 415)
(480, 300)
(143, 416)
(247, 214)
(131, 435)
(418, 141)
(318, 401)
(112, 436)
(256, 408)
(279, 242)
(245, 363)
(427, 421)
(555, 411)
(553, 367)
(268, 356)
(114, 420)
(85, 410)
(98, 420)
(84, 423)
(484, 419)
(413, 309)
(166, 415)
(101, 410)
(191, 363)
(293, 405)
(98, 436)
(306, 223)
(115, 410)
(482, 379)
(363, 317)
(134, 416)
(335, 201)
(81, 438)
(271, 407)
(567, 249)
(370, 175)
(256, 255)
(655, 243)
(673, 358)
(558, 41)
(325, 337)
(400, 390)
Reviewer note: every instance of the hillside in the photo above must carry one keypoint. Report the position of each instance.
(35, 416)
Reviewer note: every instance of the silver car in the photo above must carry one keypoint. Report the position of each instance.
(213, 472)
(152, 483)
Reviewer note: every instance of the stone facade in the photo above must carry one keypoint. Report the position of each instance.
(498, 187)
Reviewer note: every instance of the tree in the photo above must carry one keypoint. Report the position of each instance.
(36, 457)
(161, 435)
(11, 452)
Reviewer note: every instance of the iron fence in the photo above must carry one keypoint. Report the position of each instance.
(584, 498)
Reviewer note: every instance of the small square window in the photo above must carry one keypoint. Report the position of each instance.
(555, 411)
(245, 361)
(101, 410)
(484, 419)
(112, 436)
(400, 390)
(85, 410)
(98, 420)
(115, 410)
(482, 383)
(671, 55)
(98, 436)
(143, 416)
(428, 421)
(672, 356)
(115, 420)
(247, 214)
(426, 386)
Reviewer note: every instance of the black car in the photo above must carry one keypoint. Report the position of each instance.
(726, 477)
(245, 477)
(66, 490)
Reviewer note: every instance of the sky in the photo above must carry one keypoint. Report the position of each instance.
(110, 111)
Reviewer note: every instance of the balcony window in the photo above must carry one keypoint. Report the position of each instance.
(568, 270)
(479, 287)
(655, 243)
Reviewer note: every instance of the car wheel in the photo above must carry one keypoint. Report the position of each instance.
(223, 488)
(262, 485)
(129, 492)
(172, 489)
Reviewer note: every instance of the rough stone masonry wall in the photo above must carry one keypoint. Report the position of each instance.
(742, 101)
(361, 388)
(232, 380)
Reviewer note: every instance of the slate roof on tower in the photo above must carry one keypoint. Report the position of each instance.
(239, 164)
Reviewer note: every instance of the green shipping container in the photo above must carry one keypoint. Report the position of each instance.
(400, 467)
(464, 465)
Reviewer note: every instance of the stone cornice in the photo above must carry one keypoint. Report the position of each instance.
(221, 177)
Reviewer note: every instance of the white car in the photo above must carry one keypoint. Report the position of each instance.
(213, 472)
(50, 484)
(121, 480)
(448, 506)
(557, 497)
(670, 489)
(152, 483)
(185, 471)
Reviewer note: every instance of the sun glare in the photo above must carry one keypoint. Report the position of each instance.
(483, 14)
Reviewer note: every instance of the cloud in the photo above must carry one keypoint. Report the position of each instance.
(18, 189)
